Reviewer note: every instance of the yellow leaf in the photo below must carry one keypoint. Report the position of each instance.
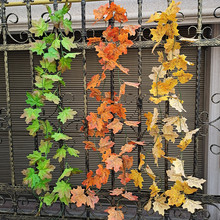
(179, 122)
(158, 72)
(176, 103)
(178, 167)
(147, 207)
(158, 100)
(191, 205)
(173, 176)
(154, 132)
(195, 182)
(182, 76)
(154, 189)
(149, 116)
(160, 205)
(142, 158)
(164, 88)
(154, 118)
(161, 57)
(172, 30)
(138, 179)
(169, 134)
(154, 17)
(158, 32)
(175, 197)
(171, 45)
(171, 159)
(183, 186)
(150, 172)
(157, 150)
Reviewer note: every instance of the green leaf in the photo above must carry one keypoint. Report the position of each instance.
(52, 55)
(45, 168)
(33, 128)
(69, 172)
(38, 47)
(50, 66)
(68, 43)
(49, 9)
(60, 136)
(61, 153)
(50, 198)
(39, 27)
(64, 64)
(34, 99)
(31, 178)
(52, 98)
(45, 146)
(35, 157)
(66, 24)
(71, 55)
(63, 190)
(46, 127)
(55, 77)
(73, 152)
(66, 114)
(49, 39)
(66, 8)
(39, 70)
(43, 83)
(30, 114)
(42, 186)
(56, 44)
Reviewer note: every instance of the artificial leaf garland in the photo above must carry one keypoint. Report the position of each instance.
(54, 49)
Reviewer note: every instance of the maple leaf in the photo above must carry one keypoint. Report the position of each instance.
(176, 103)
(60, 154)
(136, 85)
(154, 189)
(124, 178)
(195, 182)
(31, 178)
(34, 99)
(158, 72)
(63, 189)
(137, 142)
(178, 167)
(157, 150)
(33, 128)
(115, 125)
(179, 122)
(45, 168)
(131, 29)
(111, 33)
(175, 197)
(96, 93)
(42, 185)
(122, 90)
(104, 111)
(73, 152)
(132, 123)
(171, 45)
(160, 205)
(35, 157)
(126, 148)
(173, 176)
(191, 205)
(100, 12)
(137, 177)
(94, 121)
(182, 76)
(148, 206)
(45, 146)
(66, 24)
(38, 46)
(127, 161)
(114, 214)
(50, 198)
(169, 134)
(52, 55)
(116, 192)
(64, 64)
(60, 136)
(51, 97)
(56, 43)
(46, 127)
(39, 27)
(43, 83)
(158, 100)
(68, 43)
(105, 144)
(119, 110)
(129, 196)
(89, 181)
(102, 175)
(89, 145)
(30, 114)
(150, 172)
(183, 186)
(93, 40)
(91, 199)
(142, 162)
(78, 196)
(50, 66)
(94, 82)
(114, 162)
(66, 114)
(68, 172)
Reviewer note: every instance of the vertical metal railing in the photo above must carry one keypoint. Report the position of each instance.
(139, 101)
(197, 98)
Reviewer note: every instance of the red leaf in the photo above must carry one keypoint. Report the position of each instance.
(89, 181)
(89, 145)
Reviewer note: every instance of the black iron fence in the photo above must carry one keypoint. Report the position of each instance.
(19, 202)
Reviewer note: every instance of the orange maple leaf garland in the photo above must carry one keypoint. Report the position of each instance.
(111, 115)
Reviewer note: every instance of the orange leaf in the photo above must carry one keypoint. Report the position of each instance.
(132, 123)
(124, 178)
(89, 181)
(93, 40)
(94, 121)
(116, 126)
(114, 214)
(142, 162)
(114, 162)
(96, 93)
(105, 144)
(131, 29)
(100, 12)
(122, 90)
(127, 162)
(126, 148)
(116, 192)
(91, 199)
(137, 142)
(89, 145)
(94, 82)
(129, 196)
(78, 196)
(119, 110)
(101, 177)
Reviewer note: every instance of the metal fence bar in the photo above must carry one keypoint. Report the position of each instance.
(139, 101)
(197, 98)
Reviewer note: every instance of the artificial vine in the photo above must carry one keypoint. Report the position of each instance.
(111, 114)
(55, 49)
